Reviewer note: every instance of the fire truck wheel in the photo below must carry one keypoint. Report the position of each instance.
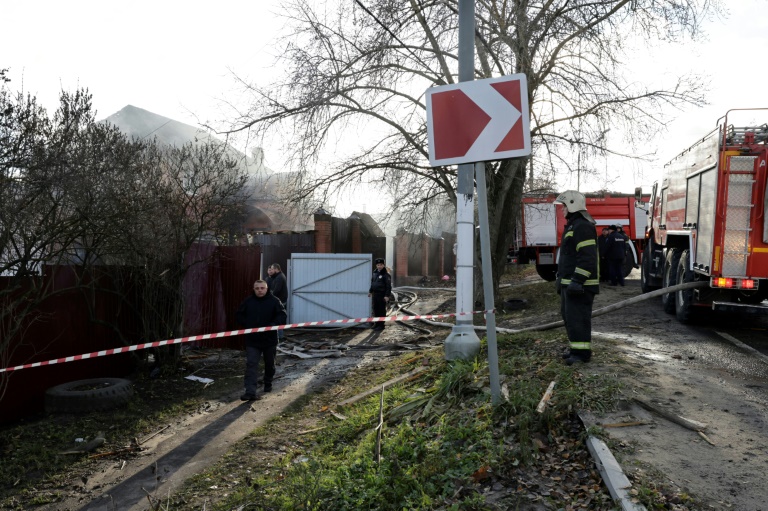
(684, 299)
(645, 271)
(628, 264)
(752, 297)
(670, 279)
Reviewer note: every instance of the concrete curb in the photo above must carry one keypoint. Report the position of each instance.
(614, 478)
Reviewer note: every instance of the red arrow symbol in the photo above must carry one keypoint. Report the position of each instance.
(478, 120)
(514, 138)
(452, 109)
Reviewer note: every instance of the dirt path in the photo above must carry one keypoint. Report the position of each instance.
(192, 444)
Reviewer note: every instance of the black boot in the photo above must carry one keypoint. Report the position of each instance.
(578, 357)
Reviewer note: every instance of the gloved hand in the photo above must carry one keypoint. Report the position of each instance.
(557, 285)
(574, 288)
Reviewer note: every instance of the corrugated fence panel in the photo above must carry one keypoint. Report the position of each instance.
(341, 242)
(201, 291)
(434, 257)
(414, 255)
(278, 247)
(376, 246)
(214, 290)
(81, 315)
(450, 257)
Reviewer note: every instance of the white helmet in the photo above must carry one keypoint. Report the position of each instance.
(574, 201)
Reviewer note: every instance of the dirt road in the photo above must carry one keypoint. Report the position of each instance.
(696, 373)
(198, 440)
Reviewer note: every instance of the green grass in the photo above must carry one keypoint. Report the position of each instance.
(443, 443)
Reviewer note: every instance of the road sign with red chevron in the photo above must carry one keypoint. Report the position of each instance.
(477, 121)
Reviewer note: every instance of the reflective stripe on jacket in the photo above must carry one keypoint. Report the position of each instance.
(579, 259)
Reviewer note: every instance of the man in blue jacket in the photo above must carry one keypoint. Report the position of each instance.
(578, 278)
(259, 310)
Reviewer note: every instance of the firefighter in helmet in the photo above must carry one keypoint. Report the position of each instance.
(578, 277)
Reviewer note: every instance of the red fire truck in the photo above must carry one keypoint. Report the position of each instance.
(542, 223)
(708, 222)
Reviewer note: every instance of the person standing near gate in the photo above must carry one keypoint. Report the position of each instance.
(260, 309)
(381, 288)
(615, 251)
(577, 275)
(278, 286)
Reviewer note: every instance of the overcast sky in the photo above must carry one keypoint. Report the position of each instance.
(169, 57)
(173, 58)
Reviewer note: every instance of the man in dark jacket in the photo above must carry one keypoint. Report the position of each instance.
(601, 252)
(577, 275)
(278, 286)
(615, 251)
(381, 288)
(259, 310)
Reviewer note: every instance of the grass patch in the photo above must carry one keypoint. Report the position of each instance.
(33, 470)
(443, 445)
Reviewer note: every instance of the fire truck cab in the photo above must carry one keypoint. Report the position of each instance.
(707, 222)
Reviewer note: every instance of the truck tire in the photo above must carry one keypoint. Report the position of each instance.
(684, 299)
(547, 272)
(93, 395)
(628, 264)
(670, 279)
(645, 271)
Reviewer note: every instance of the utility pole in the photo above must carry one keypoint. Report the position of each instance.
(463, 342)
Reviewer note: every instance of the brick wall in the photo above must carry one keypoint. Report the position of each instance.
(323, 234)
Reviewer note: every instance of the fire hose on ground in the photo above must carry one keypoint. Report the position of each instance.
(598, 312)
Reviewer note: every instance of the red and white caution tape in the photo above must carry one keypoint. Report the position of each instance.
(231, 333)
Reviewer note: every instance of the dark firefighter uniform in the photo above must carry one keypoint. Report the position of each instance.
(615, 252)
(578, 282)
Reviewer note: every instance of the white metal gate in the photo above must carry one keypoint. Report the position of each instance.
(328, 286)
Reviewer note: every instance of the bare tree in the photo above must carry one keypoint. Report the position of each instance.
(80, 194)
(44, 202)
(362, 69)
(175, 197)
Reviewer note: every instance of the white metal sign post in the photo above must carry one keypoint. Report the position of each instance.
(475, 121)
(463, 342)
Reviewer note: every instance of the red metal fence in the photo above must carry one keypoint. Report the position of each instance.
(87, 315)
(76, 316)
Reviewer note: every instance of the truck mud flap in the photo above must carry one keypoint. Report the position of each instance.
(740, 307)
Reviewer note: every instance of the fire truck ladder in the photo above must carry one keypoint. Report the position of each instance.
(736, 135)
(741, 180)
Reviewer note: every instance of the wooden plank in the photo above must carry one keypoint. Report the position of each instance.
(546, 398)
(681, 421)
(375, 389)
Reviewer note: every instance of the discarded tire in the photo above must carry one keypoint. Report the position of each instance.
(97, 394)
(514, 304)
